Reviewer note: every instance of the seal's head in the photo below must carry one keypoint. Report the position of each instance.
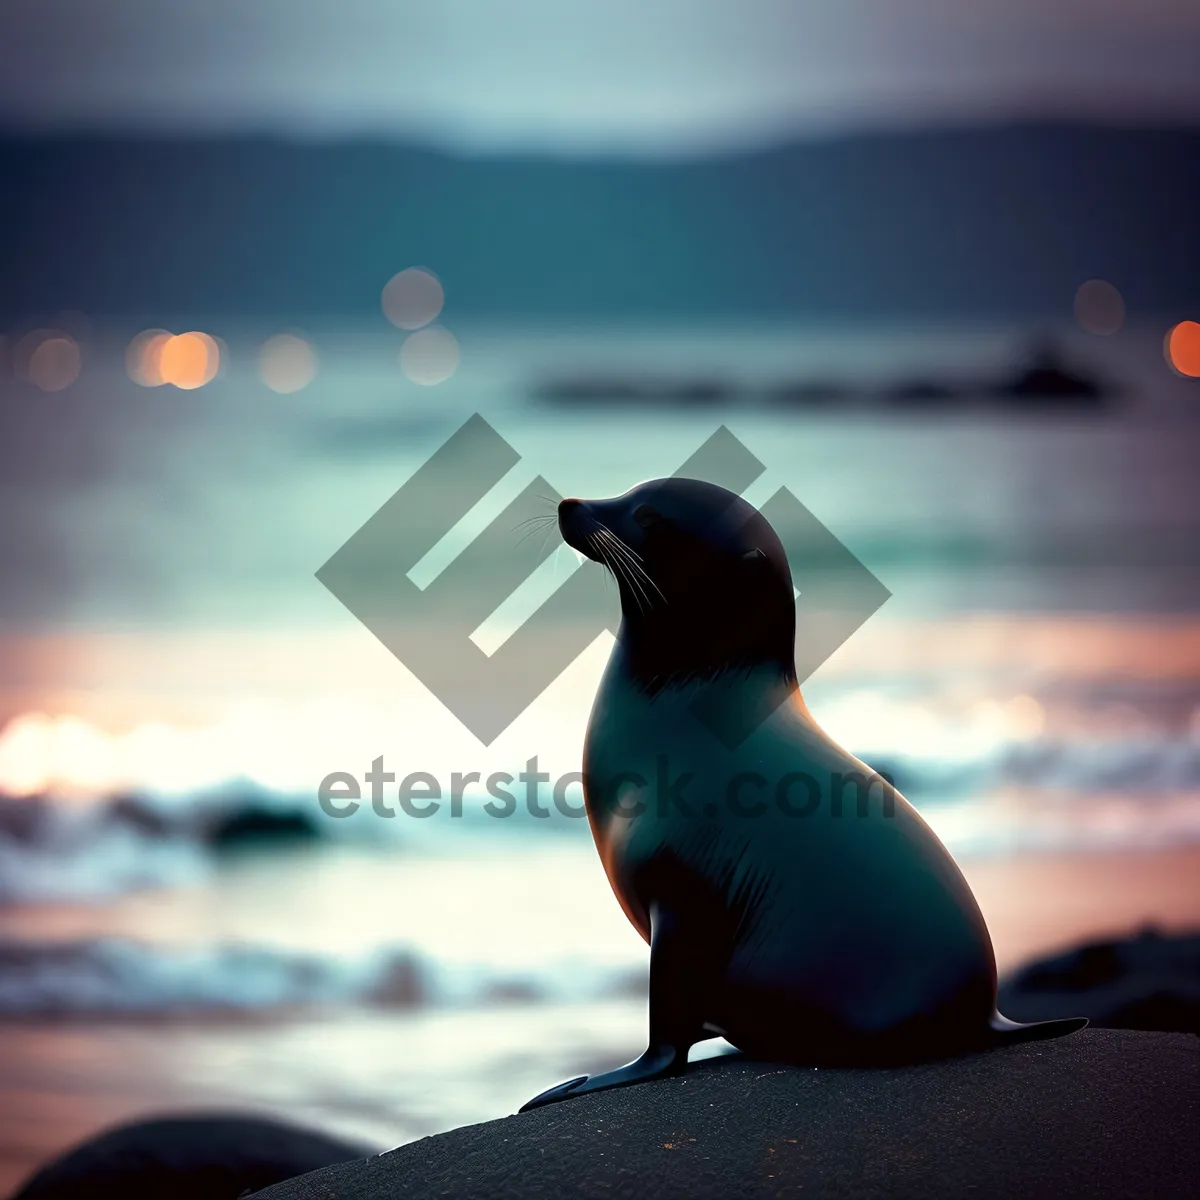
(704, 580)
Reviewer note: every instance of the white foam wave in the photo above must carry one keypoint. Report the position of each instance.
(1006, 783)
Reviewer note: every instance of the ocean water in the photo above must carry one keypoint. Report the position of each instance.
(168, 663)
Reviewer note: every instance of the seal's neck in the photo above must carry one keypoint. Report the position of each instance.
(628, 719)
(668, 653)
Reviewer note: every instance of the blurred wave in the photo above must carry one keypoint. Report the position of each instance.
(53, 849)
(122, 977)
(990, 777)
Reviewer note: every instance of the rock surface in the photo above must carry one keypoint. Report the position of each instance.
(1099, 1113)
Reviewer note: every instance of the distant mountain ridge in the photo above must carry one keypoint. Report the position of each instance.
(1002, 222)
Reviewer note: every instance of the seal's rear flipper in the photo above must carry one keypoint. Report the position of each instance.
(1006, 1032)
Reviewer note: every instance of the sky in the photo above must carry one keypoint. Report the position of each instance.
(590, 75)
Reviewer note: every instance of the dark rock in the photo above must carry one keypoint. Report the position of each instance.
(1099, 1113)
(514, 992)
(1145, 982)
(1051, 383)
(139, 814)
(187, 1158)
(401, 985)
(804, 393)
(601, 390)
(258, 826)
(585, 390)
(921, 392)
(1048, 382)
(23, 819)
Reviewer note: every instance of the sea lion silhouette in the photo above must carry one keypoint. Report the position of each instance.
(798, 923)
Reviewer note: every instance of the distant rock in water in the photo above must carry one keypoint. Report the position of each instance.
(401, 985)
(1048, 382)
(587, 390)
(1044, 381)
(139, 814)
(802, 393)
(212, 1157)
(259, 825)
(688, 391)
(23, 818)
(1150, 981)
(919, 393)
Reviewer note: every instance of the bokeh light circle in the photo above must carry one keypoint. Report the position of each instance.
(287, 363)
(189, 360)
(1099, 307)
(1182, 348)
(49, 359)
(143, 357)
(413, 298)
(430, 356)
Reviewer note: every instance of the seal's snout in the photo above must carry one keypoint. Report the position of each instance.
(572, 522)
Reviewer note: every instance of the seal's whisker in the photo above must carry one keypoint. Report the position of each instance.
(630, 555)
(590, 542)
(639, 570)
(638, 593)
(620, 541)
(538, 519)
(633, 560)
(597, 544)
(627, 568)
(620, 567)
(530, 532)
(535, 528)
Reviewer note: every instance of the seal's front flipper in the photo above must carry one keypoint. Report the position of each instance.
(560, 1091)
(681, 971)
(1005, 1032)
(654, 1064)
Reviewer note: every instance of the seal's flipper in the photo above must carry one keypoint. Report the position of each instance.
(654, 1064)
(680, 970)
(560, 1091)
(1006, 1032)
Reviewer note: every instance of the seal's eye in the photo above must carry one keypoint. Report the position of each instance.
(646, 516)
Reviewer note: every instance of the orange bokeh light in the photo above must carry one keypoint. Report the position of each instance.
(188, 360)
(144, 355)
(1183, 348)
(48, 358)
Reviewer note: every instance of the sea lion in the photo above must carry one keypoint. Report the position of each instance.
(782, 913)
